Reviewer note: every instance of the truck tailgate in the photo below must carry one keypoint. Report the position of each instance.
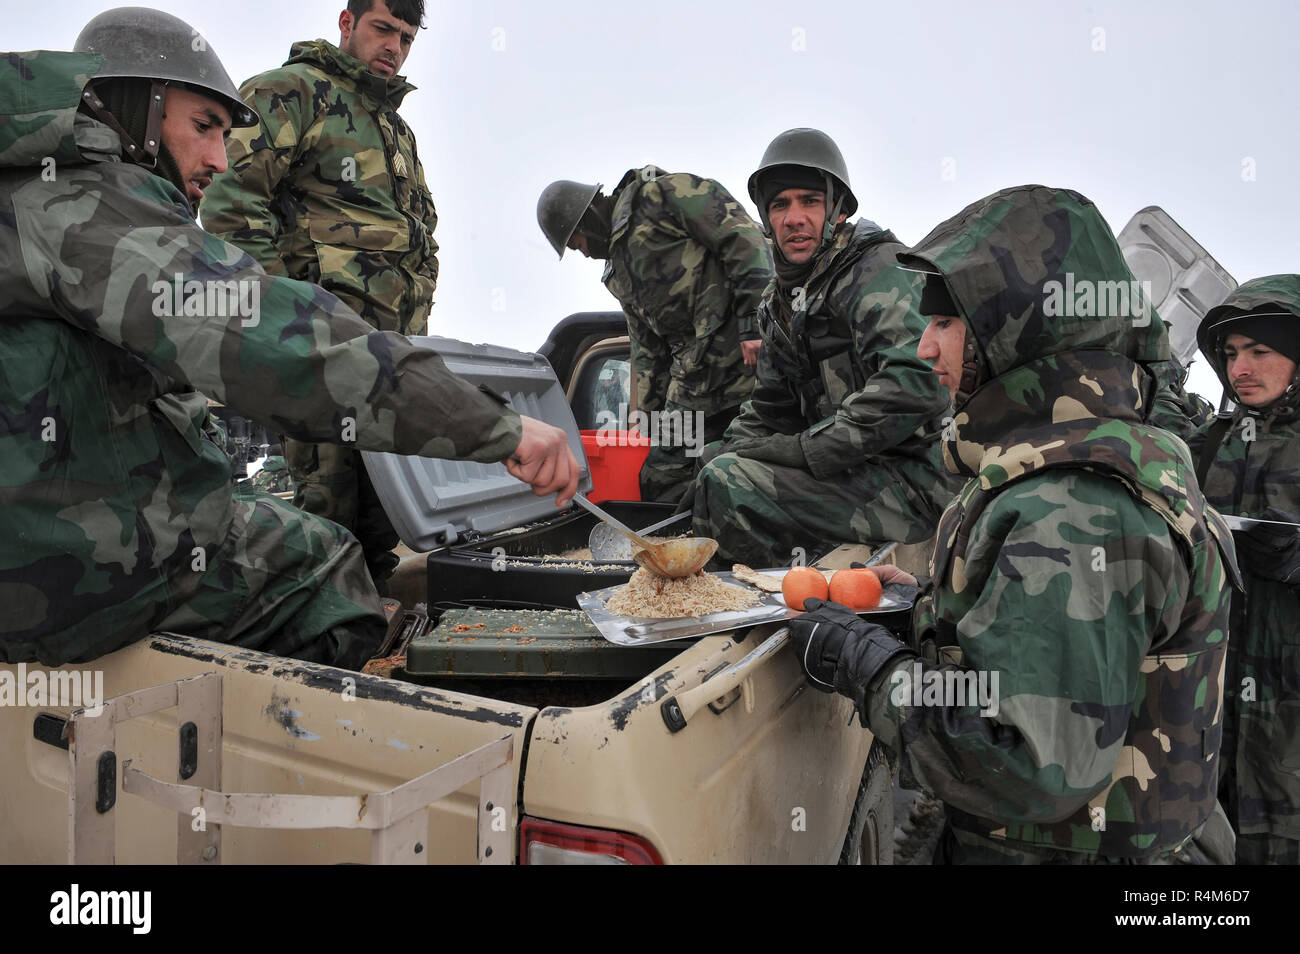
(772, 785)
(288, 727)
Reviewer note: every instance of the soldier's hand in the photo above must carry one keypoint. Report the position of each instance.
(750, 349)
(543, 460)
(888, 573)
(1271, 552)
(840, 651)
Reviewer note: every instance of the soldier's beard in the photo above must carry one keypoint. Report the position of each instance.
(128, 101)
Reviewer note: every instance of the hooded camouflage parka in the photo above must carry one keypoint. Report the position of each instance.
(329, 188)
(1078, 574)
(1257, 466)
(117, 512)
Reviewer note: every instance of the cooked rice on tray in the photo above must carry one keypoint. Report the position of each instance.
(659, 597)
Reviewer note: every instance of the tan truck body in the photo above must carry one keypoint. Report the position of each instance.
(775, 784)
(768, 773)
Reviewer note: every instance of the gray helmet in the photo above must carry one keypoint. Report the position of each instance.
(812, 149)
(148, 44)
(561, 207)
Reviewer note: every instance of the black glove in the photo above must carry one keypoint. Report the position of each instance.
(1269, 552)
(782, 449)
(840, 651)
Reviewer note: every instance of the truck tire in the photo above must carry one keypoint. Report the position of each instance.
(870, 839)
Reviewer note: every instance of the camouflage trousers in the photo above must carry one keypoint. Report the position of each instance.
(331, 481)
(1267, 850)
(1211, 844)
(1254, 848)
(287, 583)
(760, 512)
(669, 468)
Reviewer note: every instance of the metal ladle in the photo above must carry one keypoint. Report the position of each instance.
(607, 544)
(676, 558)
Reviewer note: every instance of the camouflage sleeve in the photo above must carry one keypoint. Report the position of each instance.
(237, 205)
(901, 394)
(1067, 581)
(117, 255)
(718, 222)
(652, 359)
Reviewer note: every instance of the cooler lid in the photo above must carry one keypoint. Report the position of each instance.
(1186, 281)
(433, 503)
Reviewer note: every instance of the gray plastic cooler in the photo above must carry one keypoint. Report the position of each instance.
(433, 503)
(1186, 281)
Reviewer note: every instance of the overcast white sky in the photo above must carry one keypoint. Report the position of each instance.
(1132, 104)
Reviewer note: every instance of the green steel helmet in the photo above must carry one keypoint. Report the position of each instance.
(137, 42)
(561, 207)
(811, 149)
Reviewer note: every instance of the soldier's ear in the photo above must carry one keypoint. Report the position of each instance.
(346, 24)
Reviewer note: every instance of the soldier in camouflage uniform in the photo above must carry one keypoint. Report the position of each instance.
(329, 189)
(689, 267)
(1080, 566)
(1252, 341)
(120, 517)
(839, 441)
(1174, 408)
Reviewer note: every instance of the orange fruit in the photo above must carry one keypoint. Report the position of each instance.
(857, 589)
(801, 583)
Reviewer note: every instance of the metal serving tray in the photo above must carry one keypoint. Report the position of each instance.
(639, 631)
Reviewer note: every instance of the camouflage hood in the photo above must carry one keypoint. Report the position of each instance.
(39, 122)
(1276, 296)
(1055, 322)
(327, 56)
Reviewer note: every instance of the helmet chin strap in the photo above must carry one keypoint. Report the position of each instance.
(970, 371)
(1286, 404)
(834, 202)
(146, 155)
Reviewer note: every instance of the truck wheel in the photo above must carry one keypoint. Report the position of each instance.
(870, 840)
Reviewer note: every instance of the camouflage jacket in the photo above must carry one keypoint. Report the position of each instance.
(117, 307)
(1257, 466)
(329, 188)
(1079, 568)
(842, 370)
(689, 267)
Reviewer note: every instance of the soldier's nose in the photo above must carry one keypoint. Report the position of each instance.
(926, 348)
(217, 160)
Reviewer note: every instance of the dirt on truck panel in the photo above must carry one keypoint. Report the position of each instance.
(327, 677)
